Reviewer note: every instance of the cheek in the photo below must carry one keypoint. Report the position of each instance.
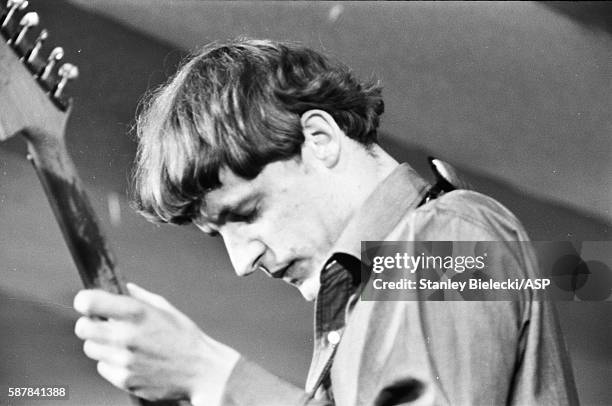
(292, 230)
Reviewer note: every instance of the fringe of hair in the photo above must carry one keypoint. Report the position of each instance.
(238, 105)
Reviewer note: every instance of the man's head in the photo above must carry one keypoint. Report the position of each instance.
(261, 142)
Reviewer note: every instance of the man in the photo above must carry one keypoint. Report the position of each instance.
(273, 147)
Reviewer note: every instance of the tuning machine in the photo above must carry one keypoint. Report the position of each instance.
(38, 43)
(17, 28)
(28, 21)
(57, 81)
(66, 72)
(13, 6)
(18, 36)
(54, 57)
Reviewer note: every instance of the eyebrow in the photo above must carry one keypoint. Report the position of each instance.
(229, 207)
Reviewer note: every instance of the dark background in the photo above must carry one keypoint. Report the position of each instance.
(517, 95)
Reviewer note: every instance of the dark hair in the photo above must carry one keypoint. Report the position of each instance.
(238, 105)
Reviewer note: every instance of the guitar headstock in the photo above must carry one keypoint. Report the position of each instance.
(32, 82)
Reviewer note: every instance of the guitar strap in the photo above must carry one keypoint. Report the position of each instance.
(447, 180)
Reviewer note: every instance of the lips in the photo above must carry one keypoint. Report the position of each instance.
(282, 273)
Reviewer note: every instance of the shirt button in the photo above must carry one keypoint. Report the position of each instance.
(333, 337)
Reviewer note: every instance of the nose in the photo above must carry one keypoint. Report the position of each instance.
(244, 251)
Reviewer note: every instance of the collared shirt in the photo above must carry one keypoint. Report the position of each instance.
(416, 352)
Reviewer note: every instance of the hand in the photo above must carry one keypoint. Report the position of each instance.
(146, 346)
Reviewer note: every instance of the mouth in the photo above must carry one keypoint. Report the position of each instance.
(284, 273)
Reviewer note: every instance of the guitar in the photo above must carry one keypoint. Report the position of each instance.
(33, 104)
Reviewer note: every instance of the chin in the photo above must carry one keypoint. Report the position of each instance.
(309, 289)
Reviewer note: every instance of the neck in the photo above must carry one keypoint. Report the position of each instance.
(383, 163)
(360, 173)
(365, 169)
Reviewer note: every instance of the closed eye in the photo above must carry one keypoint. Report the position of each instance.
(242, 217)
(206, 228)
(247, 210)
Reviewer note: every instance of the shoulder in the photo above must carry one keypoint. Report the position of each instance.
(461, 215)
(472, 207)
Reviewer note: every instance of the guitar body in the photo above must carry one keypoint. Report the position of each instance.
(32, 105)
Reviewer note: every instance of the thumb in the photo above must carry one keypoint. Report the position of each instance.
(148, 297)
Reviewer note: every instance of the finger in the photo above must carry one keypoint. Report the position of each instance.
(99, 303)
(148, 297)
(109, 332)
(109, 354)
(116, 375)
(87, 328)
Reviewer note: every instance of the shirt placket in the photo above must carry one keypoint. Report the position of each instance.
(330, 312)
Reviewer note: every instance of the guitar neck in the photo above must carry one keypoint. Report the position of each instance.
(75, 215)
(32, 103)
(78, 222)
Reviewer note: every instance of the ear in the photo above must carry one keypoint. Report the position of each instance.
(322, 137)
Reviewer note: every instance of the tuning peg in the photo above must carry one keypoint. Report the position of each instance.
(42, 37)
(13, 6)
(67, 72)
(55, 56)
(28, 21)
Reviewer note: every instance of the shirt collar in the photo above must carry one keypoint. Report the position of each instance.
(400, 192)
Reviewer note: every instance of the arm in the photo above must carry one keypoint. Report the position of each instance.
(251, 385)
